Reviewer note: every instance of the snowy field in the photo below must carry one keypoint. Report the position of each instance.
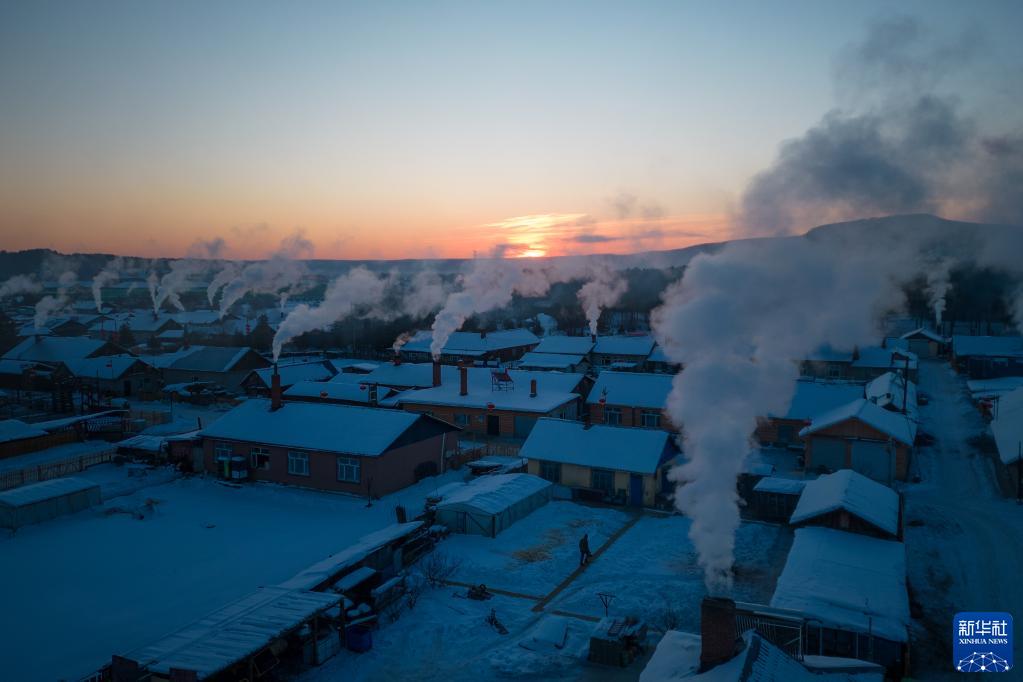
(446, 637)
(103, 582)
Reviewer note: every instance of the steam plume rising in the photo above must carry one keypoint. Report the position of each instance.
(110, 273)
(604, 290)
(282, 274)
(50, 305)
(345, 295)
(19, 284)
(738, 321)
(221, 279)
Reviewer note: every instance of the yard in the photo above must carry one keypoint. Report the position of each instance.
(78, 589)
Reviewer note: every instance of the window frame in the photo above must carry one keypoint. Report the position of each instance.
(256, 452)
(298, 456)
(653, 415)
(546, 467)
(616, 412)
(347, 462)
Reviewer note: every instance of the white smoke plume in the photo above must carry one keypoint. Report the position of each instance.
(281, 274)
(19, 284)
(738, 321)
(50, 305)
(405, 337)
(345, 296)
(938, 283)
(547, 323)
(153, 284)
(110, 273)
(603, 290)
(220, 280)
(176, 281)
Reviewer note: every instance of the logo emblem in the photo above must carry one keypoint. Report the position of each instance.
(982, 642)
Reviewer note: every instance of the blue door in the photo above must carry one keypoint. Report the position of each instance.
(635, 490)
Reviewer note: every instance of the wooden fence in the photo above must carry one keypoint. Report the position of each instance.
(57, 469)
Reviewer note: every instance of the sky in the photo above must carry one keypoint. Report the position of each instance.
(423, 129)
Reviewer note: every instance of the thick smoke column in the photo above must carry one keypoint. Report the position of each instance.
(938, 283)
(153, 284)
(221, 279)
(603, 290)
(281, 274)
(345, 295)
(739, 321)
(50, 305)
(19, 284)
(110, 273)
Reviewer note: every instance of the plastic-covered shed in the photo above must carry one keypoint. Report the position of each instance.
(47, 500)
(489, 504)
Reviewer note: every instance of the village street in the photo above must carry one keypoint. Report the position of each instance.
(964, 540)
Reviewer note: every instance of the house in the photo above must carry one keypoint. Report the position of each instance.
(258, 380)
(25, 375)
(56, 326)
(1007, 429)
(554, 361)
(827, 363)
(142, 324)
(18, 438)
(602, 462)
(359, 450)
(490, 504)
(117, 375)
(846, 500)
(495, 402)
(201, 323)
(566, 345)
(893, 392)
(622, 352)
(484, 346)
(226, 366)
(52, 349)
(774, 498)
(871, 362)
(630, 399)
(863, 437)
(342, 393)
(38, 502)
(401, 376)
(925, 343)
(988, 357)
(851, 590)
(811, 397)
(659, 362)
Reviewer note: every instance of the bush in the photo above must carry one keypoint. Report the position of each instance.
(438, 568)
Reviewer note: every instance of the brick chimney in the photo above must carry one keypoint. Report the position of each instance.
(483, 334)
(436, 373)
(719, 639)
(463, 380)
(275, 390)
(532, 388)
(593, 338)
(397, 358)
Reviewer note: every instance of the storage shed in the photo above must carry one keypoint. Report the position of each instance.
(46, 500)
(489, 504)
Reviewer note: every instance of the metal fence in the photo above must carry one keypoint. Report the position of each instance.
(57, 469)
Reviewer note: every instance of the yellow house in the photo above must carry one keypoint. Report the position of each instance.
(602, 462)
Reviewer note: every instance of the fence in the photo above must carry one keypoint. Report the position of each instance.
(44, 472)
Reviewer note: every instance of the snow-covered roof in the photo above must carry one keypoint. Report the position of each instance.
(211, 359)
(353, 393)
(991, 346)
(141, 442)
(171, 334)
(55, 348)
(407, 374)
(323, 427)
(143, 322)
(855, 493)
(103, 366)
(494, 494)
(814, 396)
(554, 389)
(620, 448)
(994, 387)
(474, 343)
(324, 570)
(44, 490)
(829, 354)
(658, 354)
(14, 366)
(635, 389)
(925, 333)
(199, 317)
(875, 356)
(847, 581)
(550, 360)
(777, 484)
(565, 345)
(624, 345)
(1007, 426)
(15, 429)
(294, 373)
(892, 390)
(233, 632)
(893, 424)
(64, 422)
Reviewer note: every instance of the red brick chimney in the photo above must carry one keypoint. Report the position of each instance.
(275, 390)
(397, 358)
(532, 388)
(719, 639)
(463, 380)
(436, 373)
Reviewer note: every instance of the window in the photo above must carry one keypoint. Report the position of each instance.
(461, 420)
(223, 451)
(834, 371)
(612, 416)
(298, 463)
(603, 480)
(348, 469)
(550, 471)
(652, 419)
(260, 458)
(786, 434)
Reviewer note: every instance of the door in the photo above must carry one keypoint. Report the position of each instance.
(828, 454)
(873, 460)
(493, 425)
(127, 388)
(635, 490)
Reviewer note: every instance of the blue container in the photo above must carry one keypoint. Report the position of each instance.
(358, 638)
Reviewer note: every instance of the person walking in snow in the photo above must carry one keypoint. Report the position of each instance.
(584, 550)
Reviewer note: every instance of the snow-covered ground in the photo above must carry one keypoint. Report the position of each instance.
(964, 541)
(445, 637)
(101, 582)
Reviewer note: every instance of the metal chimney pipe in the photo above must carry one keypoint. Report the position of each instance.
(532, 388)
(463, 380)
